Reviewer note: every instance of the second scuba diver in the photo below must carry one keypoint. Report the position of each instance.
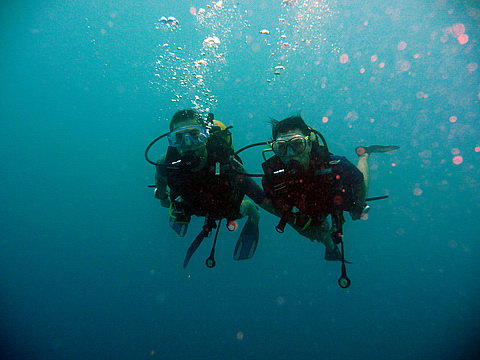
(306, 183)
(200, 176)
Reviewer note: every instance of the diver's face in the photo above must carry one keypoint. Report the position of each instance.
(293, 146)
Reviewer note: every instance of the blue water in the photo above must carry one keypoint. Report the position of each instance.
(89, 268)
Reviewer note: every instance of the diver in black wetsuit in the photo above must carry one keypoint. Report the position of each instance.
(306, 183)
(200, 176)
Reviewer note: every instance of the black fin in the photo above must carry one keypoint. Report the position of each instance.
(247, 241)
(194, 246)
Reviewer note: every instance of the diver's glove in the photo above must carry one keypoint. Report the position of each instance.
(164, 199)
(358, 210)
(165, 202)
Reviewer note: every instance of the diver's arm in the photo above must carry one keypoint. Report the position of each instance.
(161, 192)
(362, 165)
(359, 196)
(255, 192)
(267, 205)
(355, 179)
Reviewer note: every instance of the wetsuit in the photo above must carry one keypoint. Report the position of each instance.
(205, 193)
(305, 198)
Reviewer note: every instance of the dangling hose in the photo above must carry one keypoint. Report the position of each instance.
(149, 147)
(344, 282)
(250, 146)
(210, 262)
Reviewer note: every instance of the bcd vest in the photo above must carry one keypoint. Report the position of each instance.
(209, 192)
(307, 195)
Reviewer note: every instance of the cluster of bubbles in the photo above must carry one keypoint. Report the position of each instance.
(299, 30)
(217, 22)
(188, 76)
(171, 23)
(178, 72)
(223, 19)
(184, 77)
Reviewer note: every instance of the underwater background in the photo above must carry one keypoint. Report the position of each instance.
(89, 268)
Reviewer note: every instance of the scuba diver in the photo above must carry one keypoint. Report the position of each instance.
(200, 175)
(306, 184)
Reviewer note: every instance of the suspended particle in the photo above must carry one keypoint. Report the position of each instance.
(417, 191)
(457, 160)
(462, 39)
(343, 59)
(211, 42)
(278, 69)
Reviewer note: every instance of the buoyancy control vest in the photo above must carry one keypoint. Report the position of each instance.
(307, 197)
(210, 192)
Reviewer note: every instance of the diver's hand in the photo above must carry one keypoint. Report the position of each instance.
(359, 212)
(161, 194)
(165, 202)
(355, 215)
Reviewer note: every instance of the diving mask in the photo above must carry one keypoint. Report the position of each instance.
(296, 144)
(188, 137)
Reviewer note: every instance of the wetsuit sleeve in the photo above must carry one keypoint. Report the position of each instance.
(160, 171)
(161, 180)
(353, 181)
(248, 186)
(349, 172)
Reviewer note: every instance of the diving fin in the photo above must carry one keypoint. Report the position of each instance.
(194, 246)
(247, 242)
(361, 150)
(178, 227)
